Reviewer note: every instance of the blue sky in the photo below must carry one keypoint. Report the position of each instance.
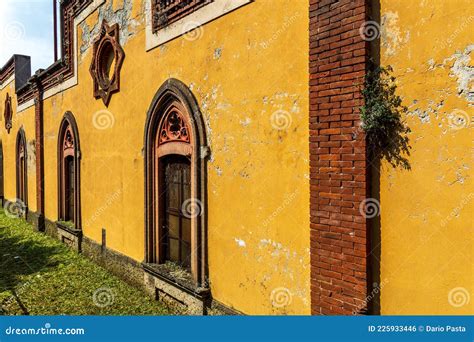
(26, 27)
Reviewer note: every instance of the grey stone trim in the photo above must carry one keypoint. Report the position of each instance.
(117, 263)
(69, 236)
(190, 301)
(219, 309)
(33, 218)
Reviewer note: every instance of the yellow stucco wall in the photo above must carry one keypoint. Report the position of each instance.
(427, 213)
(241, 70)
(26, 120)
(250, 77)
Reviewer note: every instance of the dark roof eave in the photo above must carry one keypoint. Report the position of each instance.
(11, 60)
(40, 74)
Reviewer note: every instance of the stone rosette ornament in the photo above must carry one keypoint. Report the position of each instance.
(8, 113)
(107, 60)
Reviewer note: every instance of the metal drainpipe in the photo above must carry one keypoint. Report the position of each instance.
(39, 149)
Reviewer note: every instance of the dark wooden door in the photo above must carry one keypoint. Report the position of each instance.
(177, 225)
(22, 178)
(69, 187)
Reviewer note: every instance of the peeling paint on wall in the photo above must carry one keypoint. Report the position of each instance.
(128, 27)
(429, 45)
(425, 115)
(392, 36)
(31, 155)
(217, 53)
(463, 70)
(240, 242)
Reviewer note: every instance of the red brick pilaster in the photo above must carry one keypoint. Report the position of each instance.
(39, 136)
(339, 231)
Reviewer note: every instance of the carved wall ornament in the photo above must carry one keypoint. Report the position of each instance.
(107, 60)
(68, 144)
(173, 127)
(8, 113)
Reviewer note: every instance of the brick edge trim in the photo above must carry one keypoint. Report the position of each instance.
(339, 233)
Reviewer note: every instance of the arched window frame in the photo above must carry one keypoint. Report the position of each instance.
(21, 177)
(66, 149)
(174, 93)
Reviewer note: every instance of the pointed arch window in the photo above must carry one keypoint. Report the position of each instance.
(69, 209)
(21, 168)
(175, 198)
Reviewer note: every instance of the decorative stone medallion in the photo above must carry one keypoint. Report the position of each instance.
(107, 60)
(8, 113)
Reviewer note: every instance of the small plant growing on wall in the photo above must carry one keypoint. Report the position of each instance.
(381, 118)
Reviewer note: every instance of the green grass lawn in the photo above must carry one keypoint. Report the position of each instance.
(41, 276)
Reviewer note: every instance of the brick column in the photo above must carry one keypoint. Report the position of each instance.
(39, 136)
(339, 231)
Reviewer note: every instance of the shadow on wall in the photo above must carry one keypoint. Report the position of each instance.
(387, 139)
(374, 176)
